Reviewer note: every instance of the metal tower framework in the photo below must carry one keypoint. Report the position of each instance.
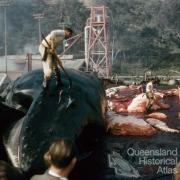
(97, 42)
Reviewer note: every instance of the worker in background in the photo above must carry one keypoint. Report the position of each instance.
(150, 94)
(47, 49)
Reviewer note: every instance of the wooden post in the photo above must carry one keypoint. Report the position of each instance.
(29, 58)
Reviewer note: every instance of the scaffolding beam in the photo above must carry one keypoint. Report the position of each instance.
(97, 40)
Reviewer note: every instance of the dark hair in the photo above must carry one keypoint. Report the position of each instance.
(68, 29)
(8, 172)
(60, 153)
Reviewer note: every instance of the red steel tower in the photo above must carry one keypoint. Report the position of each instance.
(97, 42)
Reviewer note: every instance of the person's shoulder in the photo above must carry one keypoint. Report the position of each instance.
(149, 83)
(38, 177)
(45, 176)
(57, 32)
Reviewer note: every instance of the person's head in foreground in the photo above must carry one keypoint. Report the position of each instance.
(61, 157)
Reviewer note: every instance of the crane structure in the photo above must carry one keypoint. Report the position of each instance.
(97, 42)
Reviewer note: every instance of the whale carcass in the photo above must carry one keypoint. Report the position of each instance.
(130, 116)
(76, 113)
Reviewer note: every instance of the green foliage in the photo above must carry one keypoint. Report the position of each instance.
(22, 28)
(146, 32)
(143, 33)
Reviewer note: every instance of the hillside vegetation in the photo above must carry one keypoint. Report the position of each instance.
(144, 34)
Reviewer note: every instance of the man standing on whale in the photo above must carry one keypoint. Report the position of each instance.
(47, 50)
(150, 94)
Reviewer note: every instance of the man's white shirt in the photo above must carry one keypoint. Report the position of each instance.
(56, 175)
(54, 38)
(149, 87)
